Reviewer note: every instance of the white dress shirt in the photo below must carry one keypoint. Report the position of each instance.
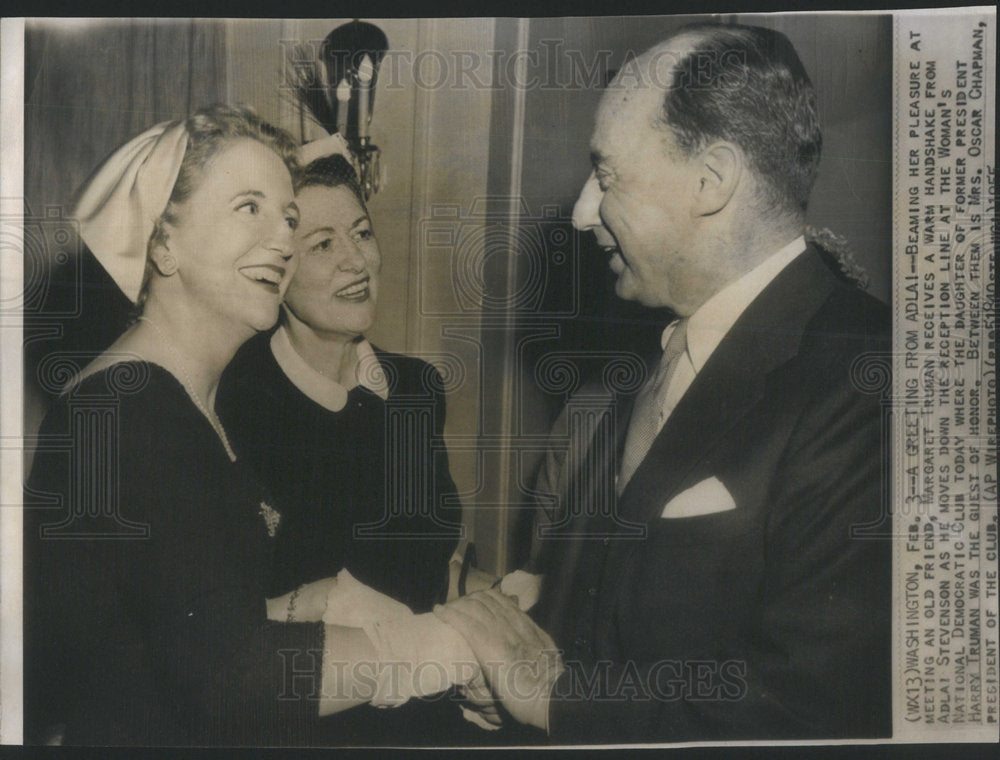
(323, 390)
(716, 317)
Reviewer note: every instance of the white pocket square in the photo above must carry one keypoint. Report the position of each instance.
(706, 498)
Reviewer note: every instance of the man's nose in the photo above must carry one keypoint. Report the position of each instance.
(586, 212)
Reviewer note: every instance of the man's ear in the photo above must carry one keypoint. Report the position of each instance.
(719, 173)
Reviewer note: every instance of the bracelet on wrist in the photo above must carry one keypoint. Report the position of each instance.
(290, 617)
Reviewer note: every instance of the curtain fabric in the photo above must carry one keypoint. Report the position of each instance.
(92, 85)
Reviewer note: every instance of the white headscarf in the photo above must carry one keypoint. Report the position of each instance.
(126, 196)
(124, 199)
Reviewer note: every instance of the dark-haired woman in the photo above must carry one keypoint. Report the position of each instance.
(347, 437)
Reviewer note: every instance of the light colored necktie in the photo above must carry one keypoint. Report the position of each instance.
(645, 423)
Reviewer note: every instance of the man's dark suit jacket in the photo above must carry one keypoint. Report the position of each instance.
(770, 620)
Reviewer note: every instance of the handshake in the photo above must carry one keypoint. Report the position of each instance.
(483, 643)
(518, 661)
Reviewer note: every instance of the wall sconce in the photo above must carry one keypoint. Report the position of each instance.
(338, 91)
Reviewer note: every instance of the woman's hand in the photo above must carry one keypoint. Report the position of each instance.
(306, 604)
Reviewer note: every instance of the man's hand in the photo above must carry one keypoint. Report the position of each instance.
(481, 703)
(519, 659)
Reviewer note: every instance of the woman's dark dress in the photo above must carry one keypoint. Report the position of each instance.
(146, 557)
(333, 473)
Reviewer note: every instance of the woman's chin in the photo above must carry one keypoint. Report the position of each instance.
(352, 324)
(264, 318)
(342, 330)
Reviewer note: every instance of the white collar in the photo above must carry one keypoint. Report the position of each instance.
(714, 318)
(326, 392)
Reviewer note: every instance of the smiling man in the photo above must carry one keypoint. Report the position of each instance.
(755, 605)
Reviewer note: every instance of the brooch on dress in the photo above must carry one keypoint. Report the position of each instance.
(271, 517)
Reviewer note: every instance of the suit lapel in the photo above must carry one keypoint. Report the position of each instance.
(584, 484)
(764, 337)
(586, 480)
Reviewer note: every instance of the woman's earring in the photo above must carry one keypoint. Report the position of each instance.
(167, 264)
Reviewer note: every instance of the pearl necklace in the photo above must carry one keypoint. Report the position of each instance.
(189, 387)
